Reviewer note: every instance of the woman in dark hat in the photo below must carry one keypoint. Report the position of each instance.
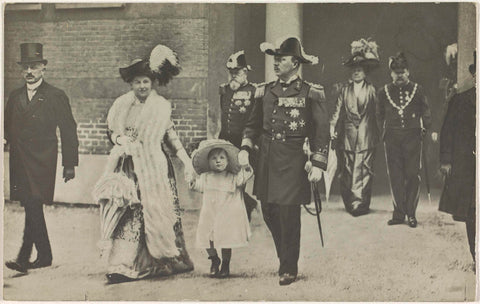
(354, 126)
(140, 213)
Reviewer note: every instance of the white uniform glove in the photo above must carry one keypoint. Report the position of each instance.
(243, 158)
(315, 174)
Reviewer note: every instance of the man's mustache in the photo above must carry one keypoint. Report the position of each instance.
(29, 75)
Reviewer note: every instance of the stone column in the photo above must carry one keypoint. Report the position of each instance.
(467, 34)
(282, 20)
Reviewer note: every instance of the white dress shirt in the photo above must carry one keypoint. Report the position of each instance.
(32, 89)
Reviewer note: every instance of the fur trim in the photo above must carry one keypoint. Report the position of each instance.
(151, 167)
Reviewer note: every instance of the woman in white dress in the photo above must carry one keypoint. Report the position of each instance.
(140, 213)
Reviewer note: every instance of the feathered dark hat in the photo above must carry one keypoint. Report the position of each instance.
(162, 65)
(289, 47)
(473, 67)
(364, 53)
(238, 61)
(138, 67)
(398, 62)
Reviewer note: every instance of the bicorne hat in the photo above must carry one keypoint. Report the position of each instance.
(398, 62)
(289, 47)
(31, 53)
(138, 67)
(364, 53)
(472, 68)
(238, 61)
(200, 156)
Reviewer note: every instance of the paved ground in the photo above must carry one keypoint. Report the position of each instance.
(363, 260)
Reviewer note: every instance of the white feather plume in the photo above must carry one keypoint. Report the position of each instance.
(159, 54)
(232, 60)
(264, 46)
(451, 53)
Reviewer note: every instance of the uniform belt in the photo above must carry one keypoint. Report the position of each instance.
(281, 136)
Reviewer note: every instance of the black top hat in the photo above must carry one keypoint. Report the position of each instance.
(398, 62)
(290, 47)
(238, 61)
(138, 67)
(31, 52)
(473, 67)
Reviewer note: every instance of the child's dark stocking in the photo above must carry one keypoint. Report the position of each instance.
(225, 270)
(213, 256)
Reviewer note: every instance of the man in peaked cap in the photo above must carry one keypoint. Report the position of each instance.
(286, 111)
(404, 113)
(32, 115)
(236, 102)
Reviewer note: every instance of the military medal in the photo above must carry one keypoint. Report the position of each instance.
(294, 113)
(243, 110)
(238, 103)
(246, 103)
(302, 123)
(293, 126)
(408, 100)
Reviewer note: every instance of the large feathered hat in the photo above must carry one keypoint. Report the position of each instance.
(289, 47)
(238, 61)
(364, 53)
(398, 62)
(200, 156)
(161, 65)
(137, 67)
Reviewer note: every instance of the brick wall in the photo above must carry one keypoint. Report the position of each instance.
(85, 51)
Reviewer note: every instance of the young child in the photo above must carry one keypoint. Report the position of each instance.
(223, 221)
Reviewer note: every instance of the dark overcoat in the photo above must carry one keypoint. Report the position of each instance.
(30, 130)
(355, 120)
(457, 147)
(282, 119)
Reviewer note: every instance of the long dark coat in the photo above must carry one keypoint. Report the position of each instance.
(457, 147)
(30, 129)
(281, 119)
(355, 120)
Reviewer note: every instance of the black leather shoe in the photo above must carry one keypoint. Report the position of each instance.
(18, 266)
(115, 278)
(39, 263)
(224, 271)
(412, 222)
(287, 279)
(395, 222)
(215, 266)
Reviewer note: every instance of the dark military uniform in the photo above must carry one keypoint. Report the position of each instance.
(282, 116)
(236, 107)
(403, 111)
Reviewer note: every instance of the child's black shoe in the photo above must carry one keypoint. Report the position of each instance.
(215, 264)
(225, 270)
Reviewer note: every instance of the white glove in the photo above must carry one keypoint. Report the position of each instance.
(434, 137)
(315, 175)
(243, 158)
(123, 140)
(333, 134)
(189, 173)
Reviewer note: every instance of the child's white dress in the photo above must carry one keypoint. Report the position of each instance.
(223, 218)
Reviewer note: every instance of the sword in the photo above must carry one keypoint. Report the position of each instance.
(314, 187)
(427, 179)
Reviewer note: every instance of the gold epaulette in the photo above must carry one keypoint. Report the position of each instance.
(223, 88)
(316, 91)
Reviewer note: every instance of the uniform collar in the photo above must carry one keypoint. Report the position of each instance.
(290, 80)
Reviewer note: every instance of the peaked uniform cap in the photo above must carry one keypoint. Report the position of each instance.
(31, 53)
(238, 61)
(200, 156)
(289, 47)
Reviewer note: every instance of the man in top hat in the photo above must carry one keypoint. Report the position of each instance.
(236, 102)
(457, 159)
(404, 113)
(32, 115)
(286, 111)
